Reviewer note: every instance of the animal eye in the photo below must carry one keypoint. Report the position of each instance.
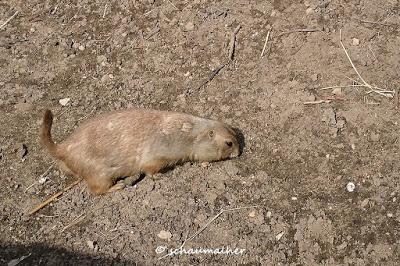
(229, 143)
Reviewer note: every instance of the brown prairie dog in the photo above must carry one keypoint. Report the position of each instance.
(134, 141)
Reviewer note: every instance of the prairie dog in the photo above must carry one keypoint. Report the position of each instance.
(134, 141)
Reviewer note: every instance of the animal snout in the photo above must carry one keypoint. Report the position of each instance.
(235, 153)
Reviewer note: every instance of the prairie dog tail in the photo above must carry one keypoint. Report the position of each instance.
(45, 134)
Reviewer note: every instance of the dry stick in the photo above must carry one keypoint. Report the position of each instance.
(105, 9)
(54, 196)
(367, 85)
(9, 19)
(298, 30)
(378, 23)
(348, 57)
(74, 222)
(232, 44)
(364, 84)
(211, 77)
(265, 44)
(172, 4)
(212, 220)
(317, 102)
(339, 86)
(218, 69)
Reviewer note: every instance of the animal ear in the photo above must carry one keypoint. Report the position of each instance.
(211, 133)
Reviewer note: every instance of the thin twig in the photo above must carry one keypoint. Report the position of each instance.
(233, 41)
(54, 196)
(363, 83)
(75, 221)
(298, 30)
(105, 9)
(344, 86)
(212, 220)
(172, 4)
(377, 22)
(348, 57)
(265, 44)
(317, 102)
(212, 75)
(9, 19)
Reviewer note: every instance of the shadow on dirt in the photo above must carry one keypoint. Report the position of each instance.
(41, 254)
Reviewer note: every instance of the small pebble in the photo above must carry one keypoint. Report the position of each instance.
(92, 245)
(81, 47)
(364, 203)
(337, 91)
(350, 187)
(355, 42)
(43, 179)
(64, 101)
(189, 26)
(314, 77)
(390, 215)
(205, 164)
(342, 246)
(166, 235)
(252, 214)
(294, 198)
(22, 150)
(279, 236)
(309, 10)
(375, 137)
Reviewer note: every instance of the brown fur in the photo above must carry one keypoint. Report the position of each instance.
(134, 141)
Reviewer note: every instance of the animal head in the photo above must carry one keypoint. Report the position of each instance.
(218, 142)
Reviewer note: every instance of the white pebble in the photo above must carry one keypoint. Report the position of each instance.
(279, 236)
(64, 101)
(355, 42)
(337, 91)
(92, 245)
(164, 234)
(43, 179)
(309, 10)
(294, 198)
(350, 187)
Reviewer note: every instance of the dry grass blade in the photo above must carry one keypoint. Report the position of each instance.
(265, 44)
(363, 83)
(8, 20)
(54, 196)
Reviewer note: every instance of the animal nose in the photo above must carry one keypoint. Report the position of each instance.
(235, 153)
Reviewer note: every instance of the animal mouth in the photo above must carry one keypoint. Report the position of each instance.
(234, 154)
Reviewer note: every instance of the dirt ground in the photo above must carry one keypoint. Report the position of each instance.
(293, 182)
